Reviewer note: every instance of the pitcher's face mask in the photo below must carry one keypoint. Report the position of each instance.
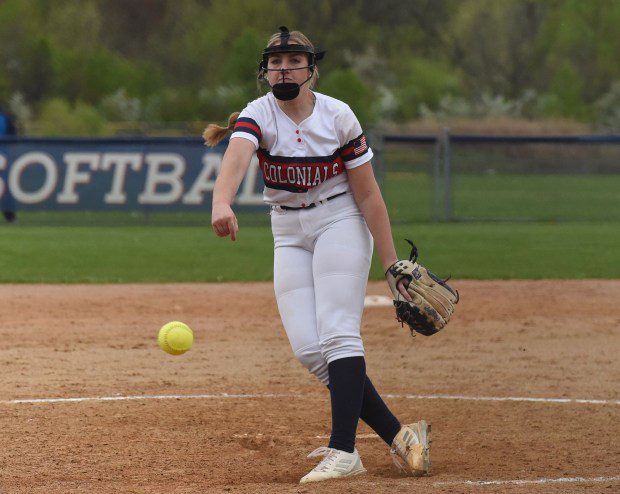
(287, 91)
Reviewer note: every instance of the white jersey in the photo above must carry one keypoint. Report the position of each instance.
(305, 163)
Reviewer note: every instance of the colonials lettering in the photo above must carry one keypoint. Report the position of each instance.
(299, 175)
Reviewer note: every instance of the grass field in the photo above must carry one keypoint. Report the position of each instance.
(60, 254)
(576, 235)
(507, 197)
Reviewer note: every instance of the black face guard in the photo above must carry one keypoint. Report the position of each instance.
(287, 91)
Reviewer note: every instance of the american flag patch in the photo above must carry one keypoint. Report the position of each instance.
(360, 146)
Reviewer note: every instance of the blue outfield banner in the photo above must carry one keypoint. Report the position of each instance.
(134, 174)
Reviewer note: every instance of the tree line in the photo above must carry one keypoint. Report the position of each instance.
(90, 66)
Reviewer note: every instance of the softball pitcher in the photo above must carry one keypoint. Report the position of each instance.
(326, 209)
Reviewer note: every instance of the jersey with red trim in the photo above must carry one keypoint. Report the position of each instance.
(306, 162)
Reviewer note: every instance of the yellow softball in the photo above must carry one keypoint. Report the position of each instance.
(175, 338)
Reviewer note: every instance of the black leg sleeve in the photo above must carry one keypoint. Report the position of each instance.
(377, 415)
(346, 388)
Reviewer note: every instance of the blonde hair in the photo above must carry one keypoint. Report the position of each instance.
(215, 133)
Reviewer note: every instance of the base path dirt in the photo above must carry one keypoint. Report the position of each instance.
(521, 390)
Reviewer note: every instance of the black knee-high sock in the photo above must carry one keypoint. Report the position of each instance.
(346, 389)
(377, 415)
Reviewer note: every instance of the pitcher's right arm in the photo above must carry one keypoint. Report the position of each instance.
(235, 165)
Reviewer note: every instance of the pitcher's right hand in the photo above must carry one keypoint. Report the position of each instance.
(224, 221)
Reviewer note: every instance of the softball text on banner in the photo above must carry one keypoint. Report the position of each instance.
(131, 174)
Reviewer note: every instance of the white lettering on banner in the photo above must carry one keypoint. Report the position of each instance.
(49, 184)
(205, 181)
(2, 167)
(74, 176)
(248, 197)
(155, 176)
(163, 184)
(120, 162)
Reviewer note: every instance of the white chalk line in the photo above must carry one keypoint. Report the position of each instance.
(361, 436)
(35, 401)
(260, 435)
(145, 397)
(505, 398)
(567, 480)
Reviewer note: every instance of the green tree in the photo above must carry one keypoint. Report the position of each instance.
(346, 85)
(582, 43)
(495, 45)
(92, 75)
(59, 118)
(197, 59)
(25, 54)
(424, 82)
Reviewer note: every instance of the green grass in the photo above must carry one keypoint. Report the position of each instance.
(99, 254)
(539, 197)
(122, 254)
(576, 235)
(508, 197)
(516, 250)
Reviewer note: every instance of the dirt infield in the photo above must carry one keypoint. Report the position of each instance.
(239, 414)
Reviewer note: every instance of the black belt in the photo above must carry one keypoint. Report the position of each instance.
(310, 206)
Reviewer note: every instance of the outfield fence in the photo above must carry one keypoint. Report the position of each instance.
(425, 178)
(459, 177)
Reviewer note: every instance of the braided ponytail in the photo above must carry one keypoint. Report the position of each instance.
(214, 133)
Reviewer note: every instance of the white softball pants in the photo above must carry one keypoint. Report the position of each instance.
(321, 261)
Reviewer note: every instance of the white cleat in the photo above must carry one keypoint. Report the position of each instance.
(411, 449)
(336, 464)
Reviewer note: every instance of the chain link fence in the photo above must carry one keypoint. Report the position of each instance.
(501, 178)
